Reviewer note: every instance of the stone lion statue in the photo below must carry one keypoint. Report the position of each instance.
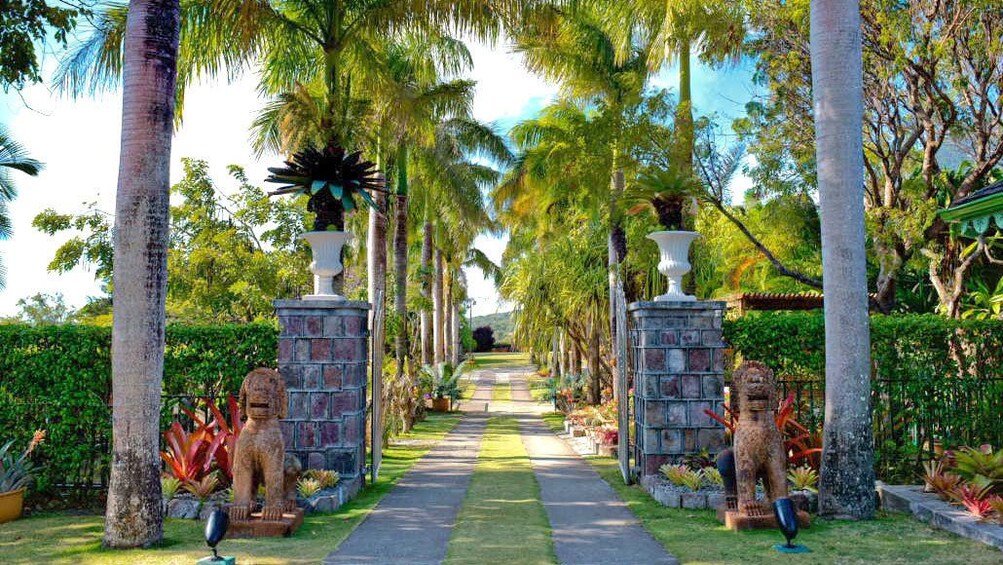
(759, 445)
(259, 457)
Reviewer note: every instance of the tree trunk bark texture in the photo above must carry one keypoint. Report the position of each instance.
(427, 356)
(400, 280)
(846, 485)
(134, 512)
(437, 309)
(447, 313)
(376, 249)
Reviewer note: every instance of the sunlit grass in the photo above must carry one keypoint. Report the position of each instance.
(501, 360)
(502, 519)
(62, 538)
(502, 392)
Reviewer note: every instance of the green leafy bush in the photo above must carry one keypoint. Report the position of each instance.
(58, 378)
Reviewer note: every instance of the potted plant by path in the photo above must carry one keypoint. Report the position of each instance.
(333, 179)
(15, 473)
(667, 193)
(442, 382)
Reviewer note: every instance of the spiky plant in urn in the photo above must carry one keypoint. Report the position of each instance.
(667, 193)
(334, 180)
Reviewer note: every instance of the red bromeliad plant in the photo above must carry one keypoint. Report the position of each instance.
(803, 446)
(190, 455)
(975, 499)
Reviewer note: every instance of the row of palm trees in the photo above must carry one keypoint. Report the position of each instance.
(373, 76)
(378, 76)
(609, 124)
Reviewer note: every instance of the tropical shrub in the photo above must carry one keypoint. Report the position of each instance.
(326, 478)
(442, 380)
(307, 487)
(169, 487)
(16, 472)
(803, 478)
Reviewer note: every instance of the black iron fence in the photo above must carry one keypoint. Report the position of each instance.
(74, 461)
(915, 417)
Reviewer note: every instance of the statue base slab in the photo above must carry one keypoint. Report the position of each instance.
(739, 522)
(255, 527)
(223, 560)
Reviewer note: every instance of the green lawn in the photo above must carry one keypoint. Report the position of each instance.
(502, 519)
(501, 360)
(62, 538)
(695, 536)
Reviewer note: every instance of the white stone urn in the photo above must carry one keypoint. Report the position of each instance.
(326, 247)
(674, 247)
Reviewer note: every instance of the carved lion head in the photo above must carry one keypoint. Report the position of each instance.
(263, 395)
(755, 387)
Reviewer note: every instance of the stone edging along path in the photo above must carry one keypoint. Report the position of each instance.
(929, 508)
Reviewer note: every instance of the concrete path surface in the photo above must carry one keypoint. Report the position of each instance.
(413, 523)
(589, 521)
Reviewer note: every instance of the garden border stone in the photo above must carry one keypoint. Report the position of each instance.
(928, 508)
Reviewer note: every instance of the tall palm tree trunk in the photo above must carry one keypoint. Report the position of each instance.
(685, 135)
(447, 321)
(427, 356)
(400, 261)
(592, 391)
(846, 486)
(617, 251)
(376, 257)
(455, 308)
(438, 355)
(134, 511)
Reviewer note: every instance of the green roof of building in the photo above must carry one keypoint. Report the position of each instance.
(977, 211)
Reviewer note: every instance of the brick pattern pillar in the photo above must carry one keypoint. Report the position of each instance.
(323, 354)
(679, 372)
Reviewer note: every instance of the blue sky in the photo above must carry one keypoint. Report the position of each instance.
(78, 140)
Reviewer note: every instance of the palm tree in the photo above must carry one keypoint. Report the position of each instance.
(846, 486)
(447, 186)
(578, 49)
(712, 28)
(134, 512)
(12, 157)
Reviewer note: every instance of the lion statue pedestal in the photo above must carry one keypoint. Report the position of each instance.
(758, 453)
(259, 460)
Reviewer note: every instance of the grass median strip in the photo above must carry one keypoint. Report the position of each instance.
(63, 538)
(502, 392)
(502, 519)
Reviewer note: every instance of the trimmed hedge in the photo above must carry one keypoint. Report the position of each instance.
(58, 378)
(934, 380)
(902, 346)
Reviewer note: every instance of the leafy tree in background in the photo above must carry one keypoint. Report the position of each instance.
(931, 101)
(43, 309)
(23, 23)
(230, 255)
(485, 338)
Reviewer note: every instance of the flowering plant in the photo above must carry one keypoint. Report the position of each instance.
(16, 472)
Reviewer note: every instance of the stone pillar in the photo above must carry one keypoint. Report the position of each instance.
(323, 355)
(679, 361)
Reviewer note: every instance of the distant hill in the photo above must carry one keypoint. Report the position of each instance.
(501, 323)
